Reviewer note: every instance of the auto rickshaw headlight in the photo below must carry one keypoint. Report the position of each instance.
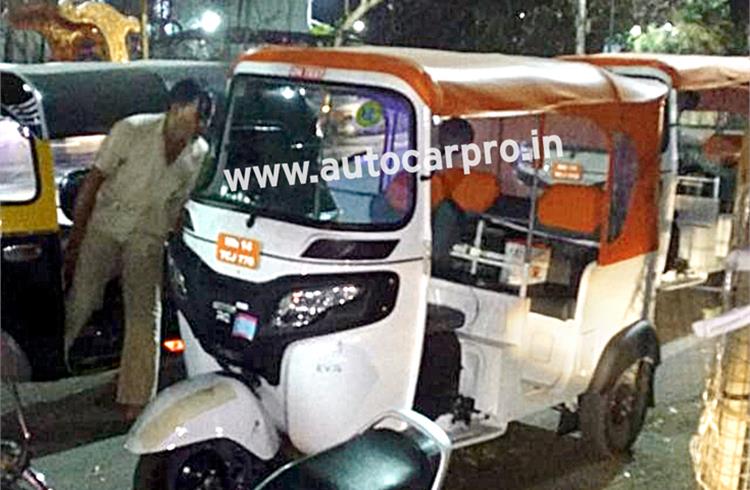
(304, 306)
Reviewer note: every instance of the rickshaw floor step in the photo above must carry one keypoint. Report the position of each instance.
(476, 433)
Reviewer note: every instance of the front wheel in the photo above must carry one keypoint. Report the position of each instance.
(212, 465)
(612, 419)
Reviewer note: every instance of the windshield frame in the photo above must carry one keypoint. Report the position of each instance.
(199, 194)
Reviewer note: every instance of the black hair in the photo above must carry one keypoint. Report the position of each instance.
(185, 92)
(455, 132)
(189, 91)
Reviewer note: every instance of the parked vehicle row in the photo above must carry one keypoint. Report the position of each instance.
(308, 309)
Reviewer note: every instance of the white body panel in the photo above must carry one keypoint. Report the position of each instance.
(334, 382)
(516, 362)
(202, 408)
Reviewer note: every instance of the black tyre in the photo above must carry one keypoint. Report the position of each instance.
(213, 465)
(611, 420)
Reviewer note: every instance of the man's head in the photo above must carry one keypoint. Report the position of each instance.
(455, 132)
(190, 109)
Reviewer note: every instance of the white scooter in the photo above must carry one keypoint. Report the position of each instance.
(399, 450)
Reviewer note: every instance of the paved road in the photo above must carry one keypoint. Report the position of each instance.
(79, 439)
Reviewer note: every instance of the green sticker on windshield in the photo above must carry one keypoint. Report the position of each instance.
(369, 114)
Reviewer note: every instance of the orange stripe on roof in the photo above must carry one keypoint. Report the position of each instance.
(465, 84)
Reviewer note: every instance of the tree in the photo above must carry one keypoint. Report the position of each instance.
(508, 26)
(696, 26)
(352, 17)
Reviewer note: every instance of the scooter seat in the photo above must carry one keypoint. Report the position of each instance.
(379, 459)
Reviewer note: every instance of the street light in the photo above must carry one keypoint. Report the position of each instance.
(358, 26)
(210, 21)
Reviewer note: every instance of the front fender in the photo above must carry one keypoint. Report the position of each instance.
(205, 407)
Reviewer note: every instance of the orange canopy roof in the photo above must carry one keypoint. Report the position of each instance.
(465, 84)
(688, 72)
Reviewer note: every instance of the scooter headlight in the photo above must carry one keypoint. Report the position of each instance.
(304, 306)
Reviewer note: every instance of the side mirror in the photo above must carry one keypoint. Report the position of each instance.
(69, 186)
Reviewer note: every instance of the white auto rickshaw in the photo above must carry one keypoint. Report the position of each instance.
(708, 116)
(309, 308)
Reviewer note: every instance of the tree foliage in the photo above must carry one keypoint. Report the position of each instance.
(548, 28)
(695, 26)
(509, 26)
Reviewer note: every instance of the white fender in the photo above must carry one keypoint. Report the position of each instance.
(205, 407)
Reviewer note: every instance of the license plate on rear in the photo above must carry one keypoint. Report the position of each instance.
(245, 326)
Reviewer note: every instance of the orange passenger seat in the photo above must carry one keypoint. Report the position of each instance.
(573, 208)
(476, 192)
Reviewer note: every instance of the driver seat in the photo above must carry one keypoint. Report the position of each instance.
(378, 459)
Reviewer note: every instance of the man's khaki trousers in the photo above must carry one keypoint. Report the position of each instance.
(139, 261)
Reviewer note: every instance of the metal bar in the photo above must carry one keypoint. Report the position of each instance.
(477, 244)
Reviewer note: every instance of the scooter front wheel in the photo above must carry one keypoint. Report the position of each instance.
(211, 465)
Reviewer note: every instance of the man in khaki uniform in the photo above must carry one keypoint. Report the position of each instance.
(127, 205)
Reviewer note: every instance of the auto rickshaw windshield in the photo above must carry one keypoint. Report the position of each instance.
(18, 179)
(317, 154)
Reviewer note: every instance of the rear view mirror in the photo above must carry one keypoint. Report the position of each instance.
(69, 187)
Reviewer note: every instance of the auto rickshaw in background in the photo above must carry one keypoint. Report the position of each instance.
(54, 118)
(708, 110)
(309, 304)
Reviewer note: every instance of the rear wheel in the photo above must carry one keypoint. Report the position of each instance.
(213, 465)
(612, 419)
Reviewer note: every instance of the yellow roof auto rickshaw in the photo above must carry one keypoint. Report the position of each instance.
(54, 117)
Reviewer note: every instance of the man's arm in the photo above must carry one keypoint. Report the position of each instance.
(84, 205)
(190, 185)
(108, 159)
(85, 201)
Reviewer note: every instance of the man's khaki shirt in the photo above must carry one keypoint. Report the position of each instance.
(142, 195)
